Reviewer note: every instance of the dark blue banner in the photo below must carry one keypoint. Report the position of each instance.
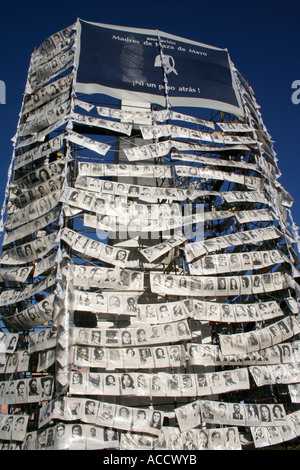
(127, 63)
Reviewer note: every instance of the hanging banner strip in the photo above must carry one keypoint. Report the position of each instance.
(27, 390)
(32, 211)
(123, 128)
(196, 249)
(31, 227)
(168, 130)
(160, 384)
(36, 315)
(108, 278)
(12, 296)
(134, 116)
(133, 335)
(215, 412)
(210, 355)
(123, 170)
(129, 357)
(195, 286)
(233, 262)
(259, 339)
(103, 414)
(86, 142)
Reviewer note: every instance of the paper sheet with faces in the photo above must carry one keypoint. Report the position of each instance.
(134, 335)
(129, 357)
(171, 438)
(103, 414)
(31, 390)
(33, 316)
(260, 339)
(194, 286)
(210, 355)
(233, 262)
(73, 436)
(116, 278)
(123, 170)
(235, 414)
(196, 249)
(13, 427)
(160, 384)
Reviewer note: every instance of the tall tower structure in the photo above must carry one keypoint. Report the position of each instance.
(149, 281)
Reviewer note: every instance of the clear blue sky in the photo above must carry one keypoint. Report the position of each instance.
(263, 39)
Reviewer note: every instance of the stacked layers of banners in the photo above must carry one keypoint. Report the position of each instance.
(149, 283)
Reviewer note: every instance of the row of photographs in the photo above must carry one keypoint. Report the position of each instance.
(232, 262)
(246, 196)
(199, 248)
(41, 339)
(40, 136)
(129, 357)
(12, 296)
(126, 304)
(8, 342)
(124, 208)
(13, 427)
(52, 46)
(31, 390)
(95, 249)
(31, 227)
(102, 414)
(108, 278)
(33, 316)
(157, 357)
(171, 438)
(161, 384)
(134, 191)
(110, 169)
(195, 286)
(37, 177)
(152, 192)
(210, 355)
(64, 436)
(18, 361)
(29, 252)
(211, 161)
(251, 182)
(141, 224)
(234, 414)
(160, 149)
(45, 119)
(157, 251)
(32, 211)
(130, 115)
(88, 143)
(41, 76)
(123, 128)
(51, 146)
(261, 338)
(39, 113)
(276, 374)
(133, 335)
(47, 93)
(15, 274)
(37, 192)
(269, 436)
(68, 436)
(169, 130)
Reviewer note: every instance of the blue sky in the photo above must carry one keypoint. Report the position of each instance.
(262, 38)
